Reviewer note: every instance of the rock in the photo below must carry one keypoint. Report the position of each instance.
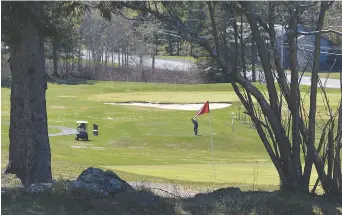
(94, 181)
(39, 188)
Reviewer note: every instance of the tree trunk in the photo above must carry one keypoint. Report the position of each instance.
(68, 64)
(254, 53)
(264, 56)
(155, 43)
(79, 60)
(293, 23)
(106, 57)
(274, 118)
(309, 160)
(330, 154)
(264, 139)
(119, 58)
(242, 49)
(127, 58)
(72, 64)
(102, 57)
(63, 66)
(55, 57)
(337, 164)
(29, 149)
(170, 46)
(141, 69)
(122, 58)
(153, 60)
(99, 57)
(88, 59)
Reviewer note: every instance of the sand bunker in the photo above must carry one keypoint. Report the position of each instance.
(173, 106)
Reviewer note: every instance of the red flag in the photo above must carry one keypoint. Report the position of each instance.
(204, 109)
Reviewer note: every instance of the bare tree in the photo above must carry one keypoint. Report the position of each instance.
(285, 143)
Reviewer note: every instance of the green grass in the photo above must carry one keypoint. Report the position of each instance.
(153, 144)
(208, 172)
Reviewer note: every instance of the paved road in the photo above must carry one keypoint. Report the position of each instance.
(330, 83)
(306, 80)
(186, 65)
(64, 131)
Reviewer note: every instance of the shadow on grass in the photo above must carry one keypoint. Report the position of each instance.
(6, 82)
(144, 201)
(227, 201)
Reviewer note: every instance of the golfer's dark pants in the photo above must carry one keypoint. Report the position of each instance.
(196, 130)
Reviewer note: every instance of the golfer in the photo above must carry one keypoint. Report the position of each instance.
(194, 121)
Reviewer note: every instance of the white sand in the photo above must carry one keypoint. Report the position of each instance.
(174, 106)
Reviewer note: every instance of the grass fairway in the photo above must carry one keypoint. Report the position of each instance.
(233, 173)
(247, 173)
(142, 143)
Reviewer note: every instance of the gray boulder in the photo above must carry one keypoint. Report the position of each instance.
(39, 188)
(94, 181)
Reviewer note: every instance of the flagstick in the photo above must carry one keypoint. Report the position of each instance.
(212, 146)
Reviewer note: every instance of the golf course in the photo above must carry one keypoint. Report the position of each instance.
(154, 144)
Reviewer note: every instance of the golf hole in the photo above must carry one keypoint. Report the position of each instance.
(192, 107)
